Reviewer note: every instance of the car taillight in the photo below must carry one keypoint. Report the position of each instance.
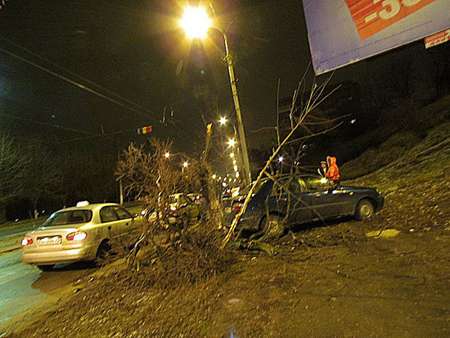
(27, 241)
(237, 207)
(76, 236)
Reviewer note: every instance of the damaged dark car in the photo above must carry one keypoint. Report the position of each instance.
(300, 200)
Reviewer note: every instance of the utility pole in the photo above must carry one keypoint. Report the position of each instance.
(240, 124)
(196, 23)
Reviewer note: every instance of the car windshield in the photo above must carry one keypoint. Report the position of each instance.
(312, 184)
(69, 217)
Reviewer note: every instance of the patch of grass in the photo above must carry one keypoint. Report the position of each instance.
(375, 158)
(396, 137)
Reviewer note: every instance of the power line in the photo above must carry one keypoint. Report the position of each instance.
(75, 75)
(183, 134)
(57, 126)
(118, 132)
(72, 82)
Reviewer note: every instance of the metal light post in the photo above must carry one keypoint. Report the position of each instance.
(196, 24)
(237, 107)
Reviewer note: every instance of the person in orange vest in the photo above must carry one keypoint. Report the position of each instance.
(333, 173)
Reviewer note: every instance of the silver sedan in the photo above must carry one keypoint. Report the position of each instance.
(80, 233)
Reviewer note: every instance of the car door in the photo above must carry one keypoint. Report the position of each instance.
(110, 222)
(298, 202)
(125, 220)
(326, 201)
(287, 198)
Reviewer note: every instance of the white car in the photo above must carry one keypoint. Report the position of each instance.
(80, 233)
(181, 206)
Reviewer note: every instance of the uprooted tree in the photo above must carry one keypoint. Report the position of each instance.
(289, 141)
(188, 250)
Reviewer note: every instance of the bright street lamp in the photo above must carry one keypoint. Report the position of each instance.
(223, 120)
(167, 155)
(231, 142)
(185, 164)
(195, 22)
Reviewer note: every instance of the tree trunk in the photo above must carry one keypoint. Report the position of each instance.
(2, 214)
(35, 210)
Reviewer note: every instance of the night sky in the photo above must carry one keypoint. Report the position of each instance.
(137, 51)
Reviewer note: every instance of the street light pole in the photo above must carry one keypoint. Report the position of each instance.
(240, 125)
(196, 23)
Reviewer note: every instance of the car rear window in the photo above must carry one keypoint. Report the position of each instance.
(69, 217)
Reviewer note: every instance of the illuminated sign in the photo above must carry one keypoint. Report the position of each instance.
(437, 39)
(341, 32)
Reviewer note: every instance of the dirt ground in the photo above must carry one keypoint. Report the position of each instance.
(331, 280)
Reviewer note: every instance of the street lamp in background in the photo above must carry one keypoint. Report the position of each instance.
(231, 142)
(196, 24)
(223, 121)
(184, 166)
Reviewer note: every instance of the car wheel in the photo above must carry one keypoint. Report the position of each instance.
(271, 222)
(103, 253)
(46, 267)
(364, 210)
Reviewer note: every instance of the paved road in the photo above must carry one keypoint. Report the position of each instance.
(10, 236)
(23, 286)
(12, 231)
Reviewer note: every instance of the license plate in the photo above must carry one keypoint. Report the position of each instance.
(49, 240)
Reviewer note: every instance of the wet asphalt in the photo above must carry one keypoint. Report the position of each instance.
(24, 286)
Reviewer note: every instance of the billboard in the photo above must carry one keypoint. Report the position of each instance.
(341, 32)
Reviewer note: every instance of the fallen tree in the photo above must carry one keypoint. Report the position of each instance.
(299, 113)
(169, 254)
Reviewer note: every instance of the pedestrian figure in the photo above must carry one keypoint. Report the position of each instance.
(333, 173)
(322, 169)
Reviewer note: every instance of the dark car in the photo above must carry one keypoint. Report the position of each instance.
(303, 200)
